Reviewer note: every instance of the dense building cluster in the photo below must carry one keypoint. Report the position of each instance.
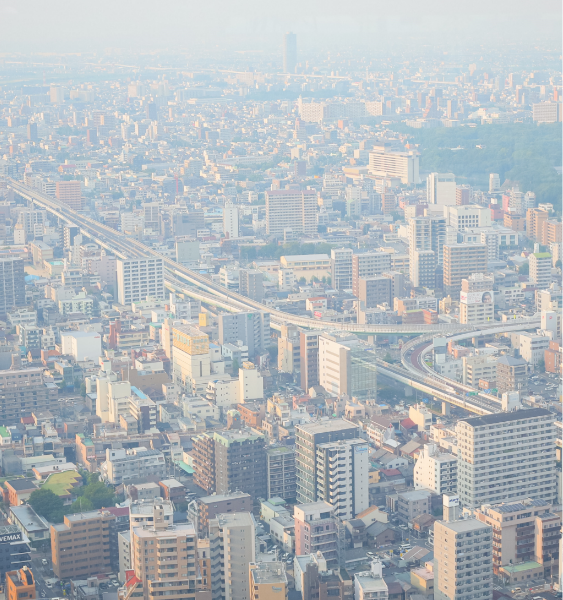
(251, 347)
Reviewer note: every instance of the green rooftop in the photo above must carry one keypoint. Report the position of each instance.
(62, 484)
(542, 254)
(525, 566)
(4, 432)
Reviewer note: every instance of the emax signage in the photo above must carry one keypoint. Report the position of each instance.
(10, 537)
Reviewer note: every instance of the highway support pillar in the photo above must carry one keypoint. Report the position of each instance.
(445, 408)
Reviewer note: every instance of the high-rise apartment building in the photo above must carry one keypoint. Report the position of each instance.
(307, 437)
(289, 347)
(291, 209)
(522, 467)
(251, 328)
(165, 559)
(251, 284)
(23, 392)
(341, 268)
(374, 291)
(368, 264)
(441, 189)
(309, 359)
(289, 52)
(32, 132)
(427, 236)
(346, 366)
(535, 221)
(70, 193)
(460, 261)
(12, 284)
(462, 557)
(348, 495)
(494, 183)
(281, 475)
(230, 460)
(540, 269)
(231, 227)
(72, 556)
(233, 548)
(139, 278)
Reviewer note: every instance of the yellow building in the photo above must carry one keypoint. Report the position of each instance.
(268, 581)
(307, 265)
(423, 579)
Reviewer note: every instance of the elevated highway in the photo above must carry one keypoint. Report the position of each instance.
(126, 247)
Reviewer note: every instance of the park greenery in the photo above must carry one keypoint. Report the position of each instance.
(523, 153)
(93, 494)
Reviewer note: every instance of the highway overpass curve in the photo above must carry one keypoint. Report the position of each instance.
(124, 246)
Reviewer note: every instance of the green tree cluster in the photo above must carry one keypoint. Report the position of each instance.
(275, 251)
(523, 153)
(92, 495)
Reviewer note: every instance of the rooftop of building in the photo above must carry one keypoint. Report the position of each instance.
(523, 566)
(29, 518)
(505, 417)
(222, 497)
(517, 506)
(230, 436)
(463, 525)
(269, 572)
(326, 426)
(21, 485)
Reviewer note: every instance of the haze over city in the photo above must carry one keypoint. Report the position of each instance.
(280, 300)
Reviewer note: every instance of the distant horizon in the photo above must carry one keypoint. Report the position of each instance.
(59, 26)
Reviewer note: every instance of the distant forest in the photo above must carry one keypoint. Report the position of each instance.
(525, 153)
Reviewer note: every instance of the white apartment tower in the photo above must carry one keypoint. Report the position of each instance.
(441, 189)
(231, 227)
(139, 278)
(506, 456)
(232, 548)
(293, 209)
(343, 476)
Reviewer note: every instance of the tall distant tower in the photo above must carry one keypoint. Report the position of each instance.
(289, 52)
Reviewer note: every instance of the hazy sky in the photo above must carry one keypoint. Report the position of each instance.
(77, 25)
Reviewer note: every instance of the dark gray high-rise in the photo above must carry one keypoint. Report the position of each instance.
(251, 328)
(12, 284)
(289, 52)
